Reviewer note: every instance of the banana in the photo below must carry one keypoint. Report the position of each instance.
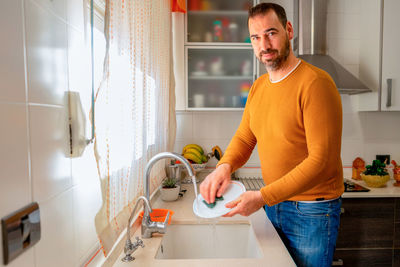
(204, 158)
(192, 157)
(197, 147)
(194, 151)
(217, 152)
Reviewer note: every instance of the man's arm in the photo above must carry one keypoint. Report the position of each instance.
(237, 154)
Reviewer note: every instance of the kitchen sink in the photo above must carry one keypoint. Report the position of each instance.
(209, 241)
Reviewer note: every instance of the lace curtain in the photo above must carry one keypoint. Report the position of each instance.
(134, 108)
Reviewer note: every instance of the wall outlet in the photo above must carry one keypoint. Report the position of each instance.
(21, 230)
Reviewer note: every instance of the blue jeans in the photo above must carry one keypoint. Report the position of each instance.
(308, 230)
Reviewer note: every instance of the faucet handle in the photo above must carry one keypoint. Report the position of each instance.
(166, 219)
(139, 242)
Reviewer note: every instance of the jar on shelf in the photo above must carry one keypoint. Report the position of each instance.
(233, 32)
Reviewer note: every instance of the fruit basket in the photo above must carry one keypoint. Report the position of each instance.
(375, 174)
(375, 180)
(196, 167)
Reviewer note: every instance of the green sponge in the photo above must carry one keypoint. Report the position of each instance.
(212, 205)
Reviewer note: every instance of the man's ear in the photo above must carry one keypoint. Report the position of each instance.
(289, 30)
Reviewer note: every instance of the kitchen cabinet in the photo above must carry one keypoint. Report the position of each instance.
(390, 99)
(387, 96)
(220, 65)
(369, 233)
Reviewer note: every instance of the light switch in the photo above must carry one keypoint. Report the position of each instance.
(21, 230)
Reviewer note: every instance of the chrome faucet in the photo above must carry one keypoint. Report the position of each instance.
(129, 247)
(148, 226)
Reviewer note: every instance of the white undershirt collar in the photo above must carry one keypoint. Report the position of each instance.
(277, 81)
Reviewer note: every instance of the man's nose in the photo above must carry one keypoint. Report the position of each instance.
(265, 43)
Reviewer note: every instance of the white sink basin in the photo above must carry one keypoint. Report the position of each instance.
(205, 241)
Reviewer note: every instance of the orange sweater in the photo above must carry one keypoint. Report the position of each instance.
(297, 124)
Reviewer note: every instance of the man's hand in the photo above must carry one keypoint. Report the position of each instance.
(216, 183)
(248, 203)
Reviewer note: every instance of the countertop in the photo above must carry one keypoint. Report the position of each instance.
(274, 251)
(387, 191)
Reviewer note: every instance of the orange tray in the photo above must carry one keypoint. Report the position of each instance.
(158, 215)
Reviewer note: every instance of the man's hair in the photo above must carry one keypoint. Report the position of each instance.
(264, 8)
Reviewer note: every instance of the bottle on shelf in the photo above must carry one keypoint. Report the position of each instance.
(217, 31)
(244, 92)
(225, 30)
(233, 32)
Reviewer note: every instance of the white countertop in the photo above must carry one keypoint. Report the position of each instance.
(274, 251)
(387, 191)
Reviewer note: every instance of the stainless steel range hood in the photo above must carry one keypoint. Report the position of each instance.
(311, 45)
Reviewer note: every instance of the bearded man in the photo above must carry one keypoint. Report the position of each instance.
(294, 114)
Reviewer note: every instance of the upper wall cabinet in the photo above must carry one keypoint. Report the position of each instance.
(387, 96)
(390, 99)
(219, 61)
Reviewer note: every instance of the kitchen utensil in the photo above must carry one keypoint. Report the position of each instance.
(234, 190)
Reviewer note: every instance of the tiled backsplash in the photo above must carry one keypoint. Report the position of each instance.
(365, 134)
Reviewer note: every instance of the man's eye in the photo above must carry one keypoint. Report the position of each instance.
(254, 38)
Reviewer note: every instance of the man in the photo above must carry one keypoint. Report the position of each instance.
(294, 114)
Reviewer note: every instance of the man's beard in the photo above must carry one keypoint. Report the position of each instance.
(275, 64)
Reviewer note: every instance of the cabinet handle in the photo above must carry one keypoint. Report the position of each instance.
(338, 262)
(389, 93)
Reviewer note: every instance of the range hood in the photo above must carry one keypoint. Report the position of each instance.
(310, 45)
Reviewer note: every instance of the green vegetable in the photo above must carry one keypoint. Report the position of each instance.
(377, 168)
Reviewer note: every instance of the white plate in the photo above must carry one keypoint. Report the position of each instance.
(234, 190)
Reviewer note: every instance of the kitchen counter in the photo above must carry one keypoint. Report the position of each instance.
(387, 191)
(273, 250)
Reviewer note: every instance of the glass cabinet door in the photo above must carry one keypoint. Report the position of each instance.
(219, 77)
(218, 21)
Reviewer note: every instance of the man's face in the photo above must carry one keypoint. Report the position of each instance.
(270, 40)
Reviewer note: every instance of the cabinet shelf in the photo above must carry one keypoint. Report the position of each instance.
(242, 44)
(208, 77)
(218, 13)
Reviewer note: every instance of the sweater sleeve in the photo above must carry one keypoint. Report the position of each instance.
(243, 142)
(322, 120)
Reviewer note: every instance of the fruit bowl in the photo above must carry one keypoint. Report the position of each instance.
(196, 167)
(375, 180)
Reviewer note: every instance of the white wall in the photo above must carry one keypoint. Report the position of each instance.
(43, 55)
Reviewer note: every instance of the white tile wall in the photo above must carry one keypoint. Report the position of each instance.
(58, 7)
(14, 167)
(343, 33)
(56, 247)
(51, 168)
(12, 86)
(14, 157)
(43, 56)
(46, 42)
(86, 201)
(75, 14)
